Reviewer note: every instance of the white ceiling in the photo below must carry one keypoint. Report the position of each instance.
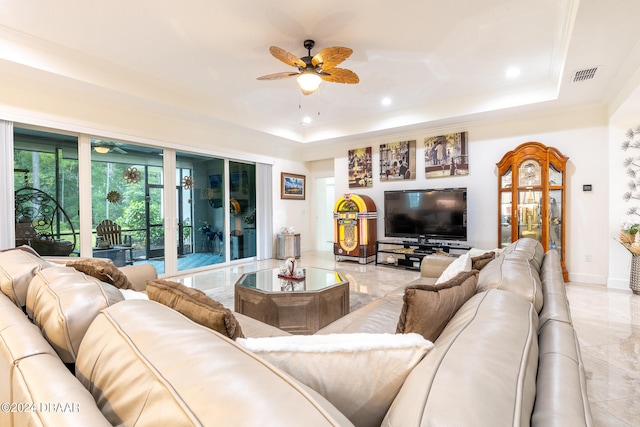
(440, 62)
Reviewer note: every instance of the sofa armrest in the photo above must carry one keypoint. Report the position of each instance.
(138, 275)
(434, 265)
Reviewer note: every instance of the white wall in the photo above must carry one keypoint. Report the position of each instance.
(293, 213)
(581, 135)
(627, 116)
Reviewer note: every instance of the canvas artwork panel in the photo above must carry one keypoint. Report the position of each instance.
(446, 155)
(398, 161)
(360, 170)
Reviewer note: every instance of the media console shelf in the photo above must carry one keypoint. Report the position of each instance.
(409, 254)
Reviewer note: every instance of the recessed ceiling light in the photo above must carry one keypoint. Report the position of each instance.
(306, 120)
(386, 101)
(512, 72)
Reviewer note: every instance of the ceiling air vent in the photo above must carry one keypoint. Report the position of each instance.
(584, 75)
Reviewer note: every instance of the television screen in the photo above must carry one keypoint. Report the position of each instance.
(435, 214)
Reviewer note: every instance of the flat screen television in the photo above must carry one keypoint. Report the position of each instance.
(433, 213)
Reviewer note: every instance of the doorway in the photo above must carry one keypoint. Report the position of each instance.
(325, 190)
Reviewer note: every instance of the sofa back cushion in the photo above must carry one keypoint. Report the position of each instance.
(63, 302)
(514, 273)
(428, 308)
(148, 365)
(561, 383)
(481, 372)
(17, 268)
(528, 248)
(556, 304)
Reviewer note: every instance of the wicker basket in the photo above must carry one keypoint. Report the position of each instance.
(634, 279)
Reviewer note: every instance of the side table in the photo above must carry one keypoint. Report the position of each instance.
(288, 245)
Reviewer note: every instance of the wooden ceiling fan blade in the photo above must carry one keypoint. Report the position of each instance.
(331, 56)
(277, 76)
(286, 57)
(340, 75)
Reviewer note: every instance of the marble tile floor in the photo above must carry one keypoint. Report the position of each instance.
(607, 323)
(608, 326)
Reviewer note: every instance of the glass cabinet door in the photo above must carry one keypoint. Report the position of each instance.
(555, 219)
(530, 214)
(505, 218)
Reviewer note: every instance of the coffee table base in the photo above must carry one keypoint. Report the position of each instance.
(294, 312)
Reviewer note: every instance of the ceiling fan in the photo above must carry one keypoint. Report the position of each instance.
(312, 70)
(101, 146)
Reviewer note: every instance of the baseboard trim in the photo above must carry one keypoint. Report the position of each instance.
(621, 284)
(591, 279)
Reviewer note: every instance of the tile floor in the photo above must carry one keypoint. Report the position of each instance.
(607, 323)
(608, 326)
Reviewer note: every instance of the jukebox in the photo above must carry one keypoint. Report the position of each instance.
(355, 228)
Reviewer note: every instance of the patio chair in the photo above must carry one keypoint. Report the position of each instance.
(112, 233)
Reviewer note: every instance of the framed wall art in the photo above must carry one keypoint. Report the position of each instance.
(292, 186)
(446, 155)
(398, 161)
(360, 171)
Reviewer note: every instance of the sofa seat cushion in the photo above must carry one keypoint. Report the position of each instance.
(514, 273)
(481, 372)
(17, 268)
(102, 269)
(196, 305)
(252, 328)
(378, 317)
(428, 308)
(148, 365)
(359, 373)
(63, 302)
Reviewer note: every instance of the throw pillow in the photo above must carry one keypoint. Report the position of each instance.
(196, 305)
(462, 263)
(103, 270)
(428, 308)
(360, 374)
(478, 262)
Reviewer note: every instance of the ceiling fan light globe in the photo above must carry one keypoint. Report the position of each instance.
(309, 82)
(101, 150)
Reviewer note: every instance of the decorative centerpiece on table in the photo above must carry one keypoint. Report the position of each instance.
(289, 271)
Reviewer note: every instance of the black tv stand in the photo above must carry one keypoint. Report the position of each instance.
(408, 254)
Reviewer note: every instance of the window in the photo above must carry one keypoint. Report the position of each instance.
(46, 185)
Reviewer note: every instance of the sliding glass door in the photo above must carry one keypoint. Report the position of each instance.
(200, 210)
(242, 219)
(214, 220)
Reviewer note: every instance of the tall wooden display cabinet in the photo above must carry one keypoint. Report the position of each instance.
(531, 197)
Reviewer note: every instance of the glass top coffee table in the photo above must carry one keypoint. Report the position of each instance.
(296, 306)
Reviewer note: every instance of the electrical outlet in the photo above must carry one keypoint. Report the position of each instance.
(587, 258)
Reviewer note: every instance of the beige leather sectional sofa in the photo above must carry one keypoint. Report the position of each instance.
(75, 352)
